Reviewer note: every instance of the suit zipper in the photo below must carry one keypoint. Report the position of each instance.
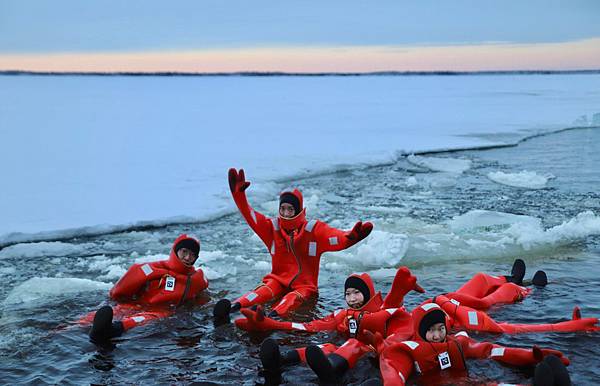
(291, 245)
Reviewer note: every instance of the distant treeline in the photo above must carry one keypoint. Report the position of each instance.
(253, 73)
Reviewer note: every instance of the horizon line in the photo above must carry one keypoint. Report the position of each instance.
(284, 73)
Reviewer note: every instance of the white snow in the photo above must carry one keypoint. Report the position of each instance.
(90, 155)
(523, 179)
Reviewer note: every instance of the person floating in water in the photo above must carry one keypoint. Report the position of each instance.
(432, 353)
(366, 310)
(149, 291)
(465, 307)
(295, 245)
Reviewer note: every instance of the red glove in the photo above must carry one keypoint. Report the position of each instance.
(405, 279)
(360, 231)
(237, 181)
(540, 353)
(256, 321)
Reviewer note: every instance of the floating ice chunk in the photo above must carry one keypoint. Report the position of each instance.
(220, 271)
(412, 181)
(39, 288)
(42, 249)
(523, 179)
(262, 265)
(583, 225)
(206, 256)
(380, 249)
(486, 219)
(449, 165)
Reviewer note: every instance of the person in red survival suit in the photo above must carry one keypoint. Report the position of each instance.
(295, 245)
(149, 291)
(465, 306)
(431, 352)
(366, 311)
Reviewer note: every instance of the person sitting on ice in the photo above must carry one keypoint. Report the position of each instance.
(465, 307)
(295, 245)
(149, 291)
(432, 353)
(366, 311)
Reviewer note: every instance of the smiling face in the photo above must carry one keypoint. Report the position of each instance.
(436, 333)
(187, 257)
(286, 210)
(354, 298)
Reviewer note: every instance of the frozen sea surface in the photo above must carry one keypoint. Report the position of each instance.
(90, 155)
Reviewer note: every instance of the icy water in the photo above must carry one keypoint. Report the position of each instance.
(415, 213)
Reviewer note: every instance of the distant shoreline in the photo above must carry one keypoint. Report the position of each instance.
(266, 74)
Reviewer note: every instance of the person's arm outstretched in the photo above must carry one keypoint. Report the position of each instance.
(260, 224)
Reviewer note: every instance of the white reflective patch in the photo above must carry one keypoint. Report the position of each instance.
(417, 367)
(170, 283)
(298, 326)
(138, 319)
(473, 321)
(402, 377)
(251, 296)
(497, 352)
(391, 310)
(282, 301)
(495, 277)
(310, 225)
(320, 346)
(345, 343)
(336, 312)
(462, 333)
(312, 248)
(428, 306)
(456, 302)
(147, 269)
(275, 223)
(413, 345)
(253, 215)
(333, 241)
(273, 248)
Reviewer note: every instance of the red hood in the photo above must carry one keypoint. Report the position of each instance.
(174, 263)
(375, 301)
(289, 224)
(419, 313)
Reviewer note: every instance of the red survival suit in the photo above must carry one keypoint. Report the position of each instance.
(150, 291)
(384, 316)
(295, 246)
(464, 308)
(400, 358)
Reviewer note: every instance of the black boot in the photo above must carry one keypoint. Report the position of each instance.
(560, 372)
(517, 273)
(329, 368)
(101, 330)
(539, 279)
(222, 309)
(543, 375)
(269, 355)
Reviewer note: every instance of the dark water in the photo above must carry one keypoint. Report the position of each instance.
(39, 344)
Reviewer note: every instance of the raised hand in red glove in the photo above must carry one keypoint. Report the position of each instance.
(540, 353)
(360, 231)
(257, 321)
(237, 180)
(403, 283)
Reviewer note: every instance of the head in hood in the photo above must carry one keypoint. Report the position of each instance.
(359, 292)
(291, 210)
(184, 253)
(430, 323)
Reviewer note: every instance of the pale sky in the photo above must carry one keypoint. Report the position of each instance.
(299, 36)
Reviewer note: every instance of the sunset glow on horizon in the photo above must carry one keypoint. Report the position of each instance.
(573, 55)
